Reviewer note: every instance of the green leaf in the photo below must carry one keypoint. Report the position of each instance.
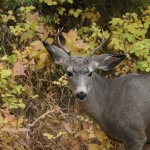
(116, 21)
(146, 25)
(12, 59)
(6, 73)
(5, 57)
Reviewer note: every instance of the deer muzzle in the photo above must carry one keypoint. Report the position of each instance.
(81, 95)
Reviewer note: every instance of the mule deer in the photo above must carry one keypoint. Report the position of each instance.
(121, 106)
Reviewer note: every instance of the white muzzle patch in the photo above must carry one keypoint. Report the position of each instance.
(81, 89)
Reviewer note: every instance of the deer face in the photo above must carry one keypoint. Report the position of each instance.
(79, 76)
(79, 69)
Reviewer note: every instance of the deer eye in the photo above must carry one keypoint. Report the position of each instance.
(70, 74)
(90, 74)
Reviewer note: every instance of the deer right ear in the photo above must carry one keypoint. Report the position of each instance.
(106, 61)
(58, 54)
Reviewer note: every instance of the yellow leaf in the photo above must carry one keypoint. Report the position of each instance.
(71, 36)
(93, 147)
(49, 136)
(80, 44)
(50, 40)
(23, 130)
(10, 12)
(5, 57)
(67, 37)
(5, 73)
(8, 119)
(13, 122)
(23, 37)
(70, 1)
(37, 45)
(11, 139)
(76, 14)
(1, 120)
(99, 134)
(43, 56)
(44, 35)
(33, 53)
(84, 135)
(75, 52)
(39, 65)
(20, 121)
(9, 129)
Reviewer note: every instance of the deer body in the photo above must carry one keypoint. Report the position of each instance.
(118, 114)
(121, 106)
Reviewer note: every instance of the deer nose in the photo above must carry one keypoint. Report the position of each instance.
(81, 95)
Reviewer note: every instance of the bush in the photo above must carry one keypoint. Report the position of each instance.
(38, 110)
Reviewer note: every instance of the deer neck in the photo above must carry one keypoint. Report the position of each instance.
(94, 104)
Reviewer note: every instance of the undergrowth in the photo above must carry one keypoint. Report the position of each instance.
(37, 108)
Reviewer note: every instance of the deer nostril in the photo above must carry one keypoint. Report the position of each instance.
(81, 95)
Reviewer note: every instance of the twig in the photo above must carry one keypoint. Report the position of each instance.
(43, 116)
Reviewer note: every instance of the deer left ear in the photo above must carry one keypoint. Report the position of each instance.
(59, 55)
(106, 61)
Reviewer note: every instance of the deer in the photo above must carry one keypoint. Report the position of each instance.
(120, 106)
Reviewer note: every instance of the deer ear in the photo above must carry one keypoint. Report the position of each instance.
(58, 54)
(107, 61)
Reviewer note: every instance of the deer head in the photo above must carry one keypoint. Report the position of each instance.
(79, 69)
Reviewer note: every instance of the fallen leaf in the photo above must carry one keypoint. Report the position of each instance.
(40, 64)
(43, 56)
(1, 120)
(84, 135)
(13, 122)
(94, 147)
(9, 118)
(74, 145)
(23, 130)
(100, 135)
(20, 121)
(37, 45)
(19, 68)
(11, 139)
(9, 129)
(67, 127)
(85, 125)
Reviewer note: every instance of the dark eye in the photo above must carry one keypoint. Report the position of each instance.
(90, 74)
(70, 74)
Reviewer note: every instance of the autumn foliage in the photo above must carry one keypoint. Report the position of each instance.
(37, 108)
